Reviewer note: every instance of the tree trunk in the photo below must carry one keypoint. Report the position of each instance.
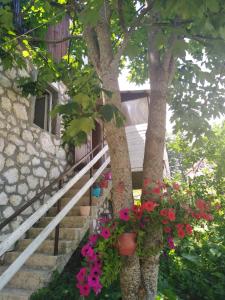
(118, 148)
(153, 162)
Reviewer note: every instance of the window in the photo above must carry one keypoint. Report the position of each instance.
(42, 107)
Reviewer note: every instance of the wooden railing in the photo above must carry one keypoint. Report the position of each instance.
(26, 225)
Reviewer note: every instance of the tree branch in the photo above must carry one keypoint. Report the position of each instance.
(37, 39)
(121, 15)
(93, 47)
(169, 51)
(136, 22)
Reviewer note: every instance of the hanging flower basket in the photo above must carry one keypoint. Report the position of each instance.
(127, 243)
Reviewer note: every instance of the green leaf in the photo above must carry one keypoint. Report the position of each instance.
(25, 53)
(82, 99)
(81, 124)
(213, 5)
(107, 112)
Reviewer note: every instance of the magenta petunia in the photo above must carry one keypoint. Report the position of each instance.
(105, 233)
(95, 271)
(84, 290)
(171, 243)
(93, 239)
(124, 214)
(93, 280)
(81, 275)
(97, 288)
(85, 249)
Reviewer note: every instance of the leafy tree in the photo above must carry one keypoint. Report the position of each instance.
(178, 44)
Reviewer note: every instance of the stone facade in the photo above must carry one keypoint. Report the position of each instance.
(30, 158)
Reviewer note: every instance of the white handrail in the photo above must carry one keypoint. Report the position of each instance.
(26, 225)
(22, 258)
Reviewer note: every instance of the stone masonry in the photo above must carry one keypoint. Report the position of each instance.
(30, 158)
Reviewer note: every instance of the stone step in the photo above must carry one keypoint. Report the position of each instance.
(47, 247)
(28, 278)
(85, 200)
(75, 211)
(64, 233)
(15, 294)
(70, 222)
(37, 260)
(74, 191)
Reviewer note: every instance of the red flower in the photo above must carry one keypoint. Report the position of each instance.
(165, 222)
(149, 206)
(171, 215)
(163, 212)
(201, 204)
(137, 210)
(156, 190)
(188, 229)
(181, 233)
(167, 229)
(147, 181)
(124, 214)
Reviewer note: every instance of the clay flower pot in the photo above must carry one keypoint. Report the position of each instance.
(127, 243)
(85, 210)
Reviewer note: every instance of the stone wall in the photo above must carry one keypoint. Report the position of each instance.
(30, 158)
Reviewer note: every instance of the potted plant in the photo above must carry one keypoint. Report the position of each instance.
(96, 191)
(165, 206)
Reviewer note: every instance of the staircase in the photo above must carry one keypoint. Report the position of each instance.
(37, 270)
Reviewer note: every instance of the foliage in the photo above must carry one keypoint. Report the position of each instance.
(210, 149)
(167, 206)
(196, 269)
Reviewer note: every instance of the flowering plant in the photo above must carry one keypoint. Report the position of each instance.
(166, 208)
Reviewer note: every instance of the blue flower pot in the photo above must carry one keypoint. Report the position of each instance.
(96, 191)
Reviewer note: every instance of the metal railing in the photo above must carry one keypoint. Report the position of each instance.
(26, 225)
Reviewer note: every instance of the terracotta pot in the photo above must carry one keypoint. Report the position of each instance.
(127, 243)
(85, 210)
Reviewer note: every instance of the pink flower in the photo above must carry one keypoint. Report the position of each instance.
(84, 290)
(124, 214)
(95, 271)
(81, 275)
(85, 249)
(105, 233)
(93, 239)
(97, 288)
(171, 243)
(93, 280)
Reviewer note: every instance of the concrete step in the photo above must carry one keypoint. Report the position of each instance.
(47, 247)
(15, 294)
(64, 233)
(28, 278)
(37, 260)
(70, 222)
